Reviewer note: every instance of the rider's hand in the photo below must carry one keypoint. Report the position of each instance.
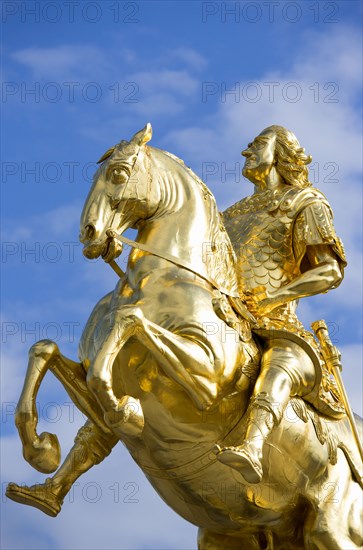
(260, 302)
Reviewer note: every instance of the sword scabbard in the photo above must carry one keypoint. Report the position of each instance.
(332, 357)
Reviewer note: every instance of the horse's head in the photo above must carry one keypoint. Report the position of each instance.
(123, 177)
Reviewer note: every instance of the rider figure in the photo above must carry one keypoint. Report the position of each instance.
(286, 249)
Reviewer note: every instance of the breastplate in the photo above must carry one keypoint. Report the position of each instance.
(261, 234)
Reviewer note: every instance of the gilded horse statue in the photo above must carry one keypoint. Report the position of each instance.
(164, 363)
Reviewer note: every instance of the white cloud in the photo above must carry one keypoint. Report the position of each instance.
(179, 82)
(158, 104)
(161, 86)
(158, 89)
(330, 131)
(62, 221)
(352, 374)
(162, 92)
(189, 56)
(61, 62)
(12, 377)
(338, 56)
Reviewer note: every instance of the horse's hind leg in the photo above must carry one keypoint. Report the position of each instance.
(91, 446)
(43, 451)
(337, 523)
(93, 442)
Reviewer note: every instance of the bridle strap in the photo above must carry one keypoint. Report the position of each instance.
(111, 227)
(235, 299)
(165, 256)
(174, 260)
(237, 304)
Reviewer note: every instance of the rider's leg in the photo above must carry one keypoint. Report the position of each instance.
(270, 397)
(285, 370)
(91, 446)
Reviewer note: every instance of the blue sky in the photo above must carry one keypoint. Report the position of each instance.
(76, 79)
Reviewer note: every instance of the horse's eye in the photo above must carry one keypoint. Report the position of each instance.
(119, 175)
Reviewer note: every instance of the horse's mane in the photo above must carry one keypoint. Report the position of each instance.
(221, 258)
(190, 171)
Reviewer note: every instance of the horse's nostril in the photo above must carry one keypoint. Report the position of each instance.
(90, 231)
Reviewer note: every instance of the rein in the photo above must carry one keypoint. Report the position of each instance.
(169, 258)
(112, 234)
(234, 298)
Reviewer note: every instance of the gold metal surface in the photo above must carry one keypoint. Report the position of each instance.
(211, 400)
(332, 359)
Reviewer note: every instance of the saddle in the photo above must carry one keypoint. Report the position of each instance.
(325, 396)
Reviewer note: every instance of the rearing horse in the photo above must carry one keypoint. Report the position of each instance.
(165, 365)
(165, 303)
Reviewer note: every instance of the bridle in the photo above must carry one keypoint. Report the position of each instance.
(111, 232)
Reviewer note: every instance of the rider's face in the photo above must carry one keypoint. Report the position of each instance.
(260, 157)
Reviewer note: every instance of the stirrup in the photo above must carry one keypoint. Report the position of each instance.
(40, 496)
(244, 459)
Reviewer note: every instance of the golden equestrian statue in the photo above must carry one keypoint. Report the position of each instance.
(197, 360)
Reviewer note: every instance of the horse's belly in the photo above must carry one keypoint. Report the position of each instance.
(213, 496)
(176, 454)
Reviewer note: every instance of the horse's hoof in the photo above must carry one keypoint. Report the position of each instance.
(43, 454)
(244, 459)
(127, 419)
(40, 496)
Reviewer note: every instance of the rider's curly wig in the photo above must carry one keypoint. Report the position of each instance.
(291, 160)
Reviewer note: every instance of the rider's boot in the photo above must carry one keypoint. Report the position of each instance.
(91, 446)
(264, 413)
(246, 458)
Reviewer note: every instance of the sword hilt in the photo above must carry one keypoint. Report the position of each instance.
(330, 352)
(332, 356)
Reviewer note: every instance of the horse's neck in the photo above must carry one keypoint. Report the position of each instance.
(181, 226)
(186, 226)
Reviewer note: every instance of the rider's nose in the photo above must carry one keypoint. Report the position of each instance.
(245, 153)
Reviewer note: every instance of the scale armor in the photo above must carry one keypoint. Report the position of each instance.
(270, 233)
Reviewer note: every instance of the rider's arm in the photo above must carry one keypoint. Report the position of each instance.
(323, 274)
(319, 254)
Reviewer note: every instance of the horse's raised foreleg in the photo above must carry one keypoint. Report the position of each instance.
(93, 442)
(124, 415)
(190, 357)
(43, 451)
(191, 361)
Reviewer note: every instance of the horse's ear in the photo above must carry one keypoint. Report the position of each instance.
(144, 135)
